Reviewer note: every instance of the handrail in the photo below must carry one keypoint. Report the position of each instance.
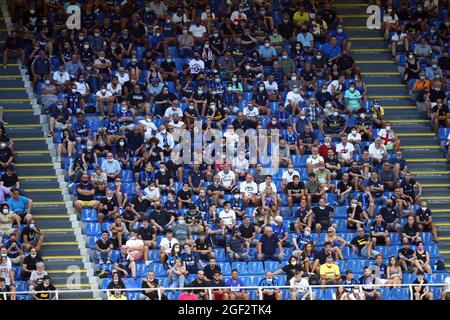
(160, 290)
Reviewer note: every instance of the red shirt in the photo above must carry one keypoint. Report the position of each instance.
(323, 151)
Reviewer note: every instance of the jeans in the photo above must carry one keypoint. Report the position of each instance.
(358, 148)
(342, 199)
(242, 257)
(102, 255)
(365, 252)
(178, 281)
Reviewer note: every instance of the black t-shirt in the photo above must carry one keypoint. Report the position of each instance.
(87, 186)
(146, 233)
(213, 187)
(140, 206)
(31, 263)
(358, 213)
(163, 179)
(162, 218)
(109, 205)
(184, 195)
(407, 252)
(5, 154)
(322, 256)
(136, 98)
(104, 245)
(197, 284)
(46, 295)
(342, 186)
(9, 181)
(360, 242)
(295, 189)
(410, 231)
(209, 272)
(322, 214)
(389, 215)
(290, 270)
(247, 232)
(201, 245)
(423, 215)
(153, 284)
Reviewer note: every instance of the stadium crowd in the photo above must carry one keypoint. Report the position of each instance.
(341, 209)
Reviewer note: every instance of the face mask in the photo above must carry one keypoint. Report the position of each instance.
(33, 255)
(59, 106)
(89, 148)
(5, 211)
(269, 280)
(354, 132)
(293, 263)
(200, 91)
(32, 11)
(322, 168)
(109, 198)
(123, 109)
(352, 89)
(362, 116)
(185, 31)
(177, 249)
(424, 208)
(434, 66)
(121, 143)
(295, 90)
(181, 221)
(230, 88)
(86, 46)
(327, 144)
(47, 82)
(81, 80)
(261, 89)
(322, 207)
(422, 77)
(3, 145)
(162, 170)
(335, 114)
(267, 45)
(302, 117)
(388, 128)
(318, 57)
(274, 122)
(103, 91)
(411, 57)
(340, 30)
(354, 205)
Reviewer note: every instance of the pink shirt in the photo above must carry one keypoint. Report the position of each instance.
(187, 296)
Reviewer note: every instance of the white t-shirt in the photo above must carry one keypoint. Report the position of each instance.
(82, 88)
(447, 282)
(262, 187)
(377, 153)
(196, 66)
(271, 88)
(122, 79)
(398, 38)
(169, 112)
(249, 188)
(352, 137)
(387, 18)
(240, 164)
(61, 78)
(136, 243)
(101, 95)
(180, 124)
(301, 287)
(151, 193)
(5, 271)
(227, 216)
(177, 19)
(292, 96)
(197, 32)
(115, 91)
(204, 16)
(168, 245)
(36, 276)
(250, 113)
(227, 178)
(346, 151)
(314, 161)
(236, 17)
(289, 177)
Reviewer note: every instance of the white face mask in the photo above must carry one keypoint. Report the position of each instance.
(86, 46)
(424, 208)
(354, 205)
(121, 143)
(307, 233)
(109, 198)
(290, 170)
(354, 132)
(5, 211)
(47, 82)
(302, 117)
(388, 128)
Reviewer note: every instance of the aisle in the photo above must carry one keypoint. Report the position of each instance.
(419, 145)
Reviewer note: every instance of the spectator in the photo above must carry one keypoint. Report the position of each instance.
(393, 272)
(420, 289)
(267, 245)
(32, 236)
(368, 281)
(329, 272)
(362, 244)
(424, 220)
(8, 218)
(85, 195)
(237, 247)
(267, 292)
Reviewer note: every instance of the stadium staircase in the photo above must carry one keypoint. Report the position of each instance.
(37, 176)
(419, 145)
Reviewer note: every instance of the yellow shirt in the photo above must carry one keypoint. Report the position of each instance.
(330, 271)
(113, 297)
(300, 18)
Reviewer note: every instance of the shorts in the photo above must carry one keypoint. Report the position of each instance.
(140, 107)
(381, 241)
(90, 203)
(194, 228)
(324, 224)
(7, 232)
(137, 255)
(296, 199)
(15, 260)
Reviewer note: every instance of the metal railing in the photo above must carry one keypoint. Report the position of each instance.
(160, 290)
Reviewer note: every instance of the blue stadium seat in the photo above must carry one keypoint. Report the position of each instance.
(93, 229)
(357, 266)
(88, 215)
(225, 267)
(271, 266)
(400, 294)
(241, 267)
(328, 294)
(385, 293)
(157, 268)
(219, 254)
(255, 267)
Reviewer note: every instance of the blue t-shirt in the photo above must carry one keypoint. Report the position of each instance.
(19, 205)
(190, 260)
(279, 231)
(235, 285)
(269, 245)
